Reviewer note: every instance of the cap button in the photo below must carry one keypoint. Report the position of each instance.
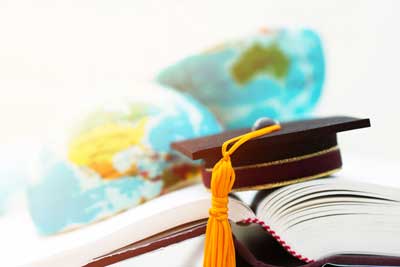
(262, 123)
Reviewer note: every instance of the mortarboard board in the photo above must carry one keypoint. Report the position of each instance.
(270, 155)
(299, 151)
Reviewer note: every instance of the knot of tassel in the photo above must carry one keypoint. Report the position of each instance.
(219, 208)
(219, 250)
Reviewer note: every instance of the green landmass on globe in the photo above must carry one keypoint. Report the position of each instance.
(260, 59)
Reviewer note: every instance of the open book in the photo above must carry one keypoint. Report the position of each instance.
(310, 220)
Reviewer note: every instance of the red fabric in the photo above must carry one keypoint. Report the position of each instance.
(283, 172)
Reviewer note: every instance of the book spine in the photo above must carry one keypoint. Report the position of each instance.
(287, 247)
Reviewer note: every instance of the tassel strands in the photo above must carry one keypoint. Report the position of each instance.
(219, 250)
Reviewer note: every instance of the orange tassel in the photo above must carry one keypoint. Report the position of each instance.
(219, 250)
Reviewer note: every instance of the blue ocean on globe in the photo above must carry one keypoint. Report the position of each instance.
(277, 74)
(60, 200)
(117, 157)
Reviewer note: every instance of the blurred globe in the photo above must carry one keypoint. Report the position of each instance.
(277, 74)
(116, 156)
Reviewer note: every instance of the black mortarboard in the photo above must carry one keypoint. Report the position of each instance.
(299, 151)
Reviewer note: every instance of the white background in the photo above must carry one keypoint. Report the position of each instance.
(56, 54)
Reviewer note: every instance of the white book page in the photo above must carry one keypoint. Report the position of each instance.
(78, 247)
(330, 216)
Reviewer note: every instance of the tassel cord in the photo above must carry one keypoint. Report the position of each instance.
(219, 250)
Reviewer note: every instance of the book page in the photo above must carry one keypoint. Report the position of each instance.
(331, 216)
(168, 211)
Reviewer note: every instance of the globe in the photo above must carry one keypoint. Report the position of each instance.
(116, 156)
(274, 73)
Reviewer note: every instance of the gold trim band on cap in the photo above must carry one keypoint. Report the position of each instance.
(284, 183)
(284, 161)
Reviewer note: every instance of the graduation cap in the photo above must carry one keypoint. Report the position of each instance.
(299, 151)
(267, 156)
